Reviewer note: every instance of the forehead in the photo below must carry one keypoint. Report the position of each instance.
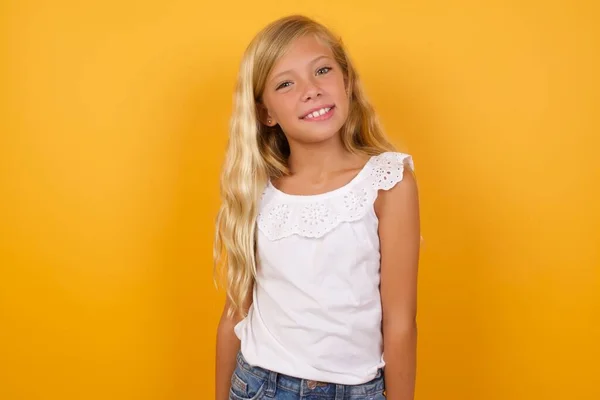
(301, 52)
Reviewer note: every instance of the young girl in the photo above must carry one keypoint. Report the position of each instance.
(318, 231)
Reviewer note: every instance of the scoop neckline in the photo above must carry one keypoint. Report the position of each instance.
(359, 176)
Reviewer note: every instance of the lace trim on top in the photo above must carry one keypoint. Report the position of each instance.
(313, 216)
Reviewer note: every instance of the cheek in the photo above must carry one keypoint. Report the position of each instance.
(274, 104)
(337, 88)
(341, 97)
(285, 109)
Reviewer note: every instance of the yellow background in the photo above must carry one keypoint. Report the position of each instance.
(114, 118)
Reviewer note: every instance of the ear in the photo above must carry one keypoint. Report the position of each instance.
(263, 115)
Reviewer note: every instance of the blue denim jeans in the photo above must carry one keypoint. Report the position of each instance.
(253, 383)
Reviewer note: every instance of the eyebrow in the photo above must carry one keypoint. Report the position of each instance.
(312, 62)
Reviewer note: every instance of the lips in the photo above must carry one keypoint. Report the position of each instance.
(317, 112)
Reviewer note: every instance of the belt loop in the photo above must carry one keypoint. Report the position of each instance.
(339, 392)
(271, 384)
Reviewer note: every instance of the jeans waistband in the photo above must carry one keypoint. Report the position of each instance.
(299, 385)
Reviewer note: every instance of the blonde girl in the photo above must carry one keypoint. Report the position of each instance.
(318, 231)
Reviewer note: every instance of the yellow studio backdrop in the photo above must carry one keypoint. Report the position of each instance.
(113, 126)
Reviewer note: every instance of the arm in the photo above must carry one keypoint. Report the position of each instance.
(228, 346)
(399, 235)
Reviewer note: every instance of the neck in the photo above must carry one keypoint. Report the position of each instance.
(317, 159)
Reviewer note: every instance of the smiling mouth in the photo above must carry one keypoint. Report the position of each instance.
(319, 115)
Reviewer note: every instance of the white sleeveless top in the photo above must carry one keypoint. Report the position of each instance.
(316, 312)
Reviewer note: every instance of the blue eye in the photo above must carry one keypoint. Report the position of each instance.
(283, 85)
(323, 70)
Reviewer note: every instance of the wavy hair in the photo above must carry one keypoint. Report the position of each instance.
(257, 153)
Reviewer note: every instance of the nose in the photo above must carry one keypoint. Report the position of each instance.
(311, 91)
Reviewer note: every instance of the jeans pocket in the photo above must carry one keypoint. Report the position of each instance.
(245, 386)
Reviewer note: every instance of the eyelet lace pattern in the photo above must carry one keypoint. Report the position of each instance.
(282, 215)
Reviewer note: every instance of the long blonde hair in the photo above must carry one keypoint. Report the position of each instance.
(257, 153)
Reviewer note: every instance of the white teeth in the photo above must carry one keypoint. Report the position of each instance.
(318, 113)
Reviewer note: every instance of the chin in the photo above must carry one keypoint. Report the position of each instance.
(317, 137)
(318, 133)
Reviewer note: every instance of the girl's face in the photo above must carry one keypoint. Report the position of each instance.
(305, 93)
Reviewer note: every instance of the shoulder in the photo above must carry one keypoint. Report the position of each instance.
(389, 169)
(394, 178)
